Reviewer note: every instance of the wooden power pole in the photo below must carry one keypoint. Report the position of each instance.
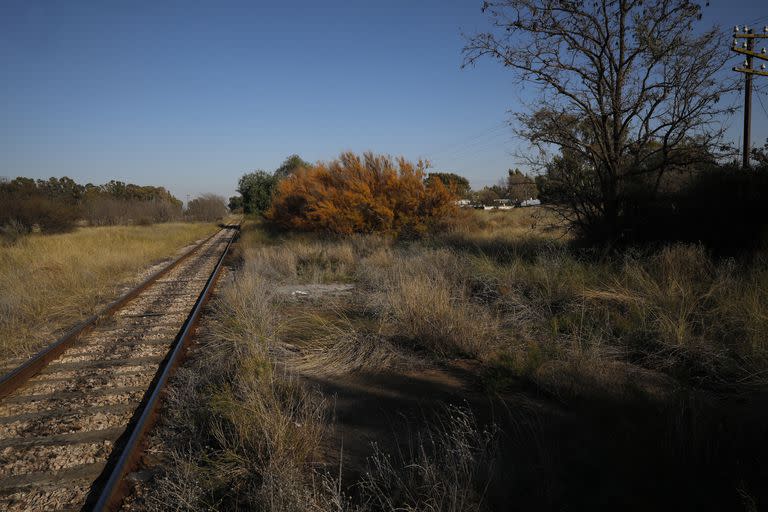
(748, 48)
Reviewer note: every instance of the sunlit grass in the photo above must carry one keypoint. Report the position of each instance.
(48, 282)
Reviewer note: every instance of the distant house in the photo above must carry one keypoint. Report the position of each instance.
(530, 202)
(502, 202)
(463, 203)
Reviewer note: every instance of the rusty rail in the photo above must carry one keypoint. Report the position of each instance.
(21, 374)
(111, 493)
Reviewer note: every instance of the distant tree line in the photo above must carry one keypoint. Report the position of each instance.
(207, 207)
(515, 188)
(57, 204)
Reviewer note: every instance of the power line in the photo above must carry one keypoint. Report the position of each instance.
(447, 149)
(760, 99)
(484, 146)
(468, 146)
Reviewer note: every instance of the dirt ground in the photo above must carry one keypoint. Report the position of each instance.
(552, 454)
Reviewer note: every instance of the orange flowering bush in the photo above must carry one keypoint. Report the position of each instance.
(355, 194)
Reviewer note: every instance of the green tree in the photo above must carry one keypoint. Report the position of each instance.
(235, 204)
(487, 195)
(256, 188)
(63, 189)
(290, 165)
(459, 185)
(520, 187)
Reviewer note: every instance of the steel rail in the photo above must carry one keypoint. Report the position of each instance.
(111, 494)
(16, 378)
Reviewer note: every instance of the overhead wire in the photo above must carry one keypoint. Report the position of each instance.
(469, 141)
(760, 99)
(470, 146)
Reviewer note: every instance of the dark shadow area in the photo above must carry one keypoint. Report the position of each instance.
(693, 451)
(725, 209)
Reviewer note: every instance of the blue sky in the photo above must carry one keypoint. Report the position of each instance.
(190, 95)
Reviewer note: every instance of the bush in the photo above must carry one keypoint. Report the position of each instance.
(109, 211)
(364, 194)
(207, 207)
(256, 189)
(26, 213)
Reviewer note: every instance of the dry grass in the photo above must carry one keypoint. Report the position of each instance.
(423, 299)
(342, 348)
(50, 282)
(246, 432)
(506, 286)
(624, 331)
(446, 467)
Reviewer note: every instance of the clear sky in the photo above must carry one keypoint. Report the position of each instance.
(192, 94)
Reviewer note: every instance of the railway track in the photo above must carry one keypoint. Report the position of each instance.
(72, 418)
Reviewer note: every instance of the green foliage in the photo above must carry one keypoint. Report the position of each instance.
(128, 191)
(235, 204)
(289, 166)
(256, 188)
(459, 185)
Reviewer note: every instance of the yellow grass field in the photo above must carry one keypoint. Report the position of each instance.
(49, 282)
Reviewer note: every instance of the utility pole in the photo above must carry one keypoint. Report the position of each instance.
(748, 48)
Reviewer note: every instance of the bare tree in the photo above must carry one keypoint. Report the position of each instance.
(630, 91)
(207, 207)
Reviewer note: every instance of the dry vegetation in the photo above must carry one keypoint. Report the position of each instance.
(654, 345)
(362, 194)
(243, 431)
(52, 281)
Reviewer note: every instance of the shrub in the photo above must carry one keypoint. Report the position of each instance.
(48, 215)
(110, 211)
(207, 207)
(364, 194)
(256, 188)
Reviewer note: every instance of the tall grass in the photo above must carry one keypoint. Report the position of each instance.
(508, 286)
(49, 282)
(446, 467)
(422, 298)
(245, 431)
(630, 331)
